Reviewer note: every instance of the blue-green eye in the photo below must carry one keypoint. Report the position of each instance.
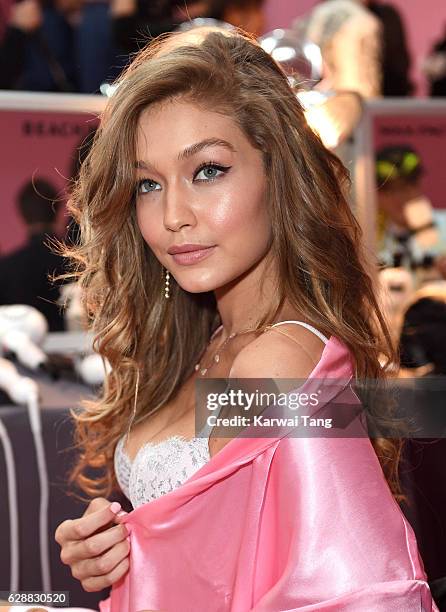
(208, 169)
(145, 186)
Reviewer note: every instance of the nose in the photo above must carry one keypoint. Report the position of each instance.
(178, 210)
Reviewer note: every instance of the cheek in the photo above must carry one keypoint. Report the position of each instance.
(242, 215)
(148, 225)
(142, 222)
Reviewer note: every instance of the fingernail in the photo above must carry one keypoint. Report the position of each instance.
(115, 507)
(128, 527)
(122, 513)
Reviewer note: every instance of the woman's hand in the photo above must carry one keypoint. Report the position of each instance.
(96, 553)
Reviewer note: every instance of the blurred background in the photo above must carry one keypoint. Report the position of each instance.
(371, 76)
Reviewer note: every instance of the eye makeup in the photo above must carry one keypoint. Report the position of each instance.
(208, 164)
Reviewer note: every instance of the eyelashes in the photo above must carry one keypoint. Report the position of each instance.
(212, 165)
(139, 186)
(206, 165)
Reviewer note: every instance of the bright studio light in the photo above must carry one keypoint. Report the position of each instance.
(283, 54)
(321, 123)
(108, 90)
(332, 115)
(297, 55)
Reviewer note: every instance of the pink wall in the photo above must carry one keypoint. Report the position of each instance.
(41, 145)
(280, 13)
(424, 20)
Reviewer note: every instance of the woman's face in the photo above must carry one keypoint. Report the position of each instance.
(199, 181)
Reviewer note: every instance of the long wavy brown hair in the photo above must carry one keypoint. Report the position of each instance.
(316, 241)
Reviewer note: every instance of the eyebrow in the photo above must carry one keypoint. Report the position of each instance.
(196, 148)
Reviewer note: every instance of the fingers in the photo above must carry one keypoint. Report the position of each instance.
(120, 516)
(83, 527)
(102, 565)
(97, 583)
(94, 545)
(98, 503)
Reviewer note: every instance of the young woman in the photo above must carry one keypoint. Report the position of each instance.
(217, 242)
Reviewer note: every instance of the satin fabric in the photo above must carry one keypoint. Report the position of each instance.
(278, 524)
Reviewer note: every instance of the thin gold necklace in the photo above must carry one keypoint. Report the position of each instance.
(216, 357)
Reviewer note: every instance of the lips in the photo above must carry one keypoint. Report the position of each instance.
(187, 248)
(187, 258)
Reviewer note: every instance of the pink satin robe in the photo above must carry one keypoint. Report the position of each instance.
(278, 524)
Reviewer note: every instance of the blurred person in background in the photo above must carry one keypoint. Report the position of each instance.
(95, 54)
(421, 385)
(349, 37)
(57, 45)
(363, 45)
(76, 45)
(24, 272)
(423, 335)
(44, 47)
(24, 19)
(405, 222)
(135, 21)
(395, 57)
(245, 14)
(435, 68)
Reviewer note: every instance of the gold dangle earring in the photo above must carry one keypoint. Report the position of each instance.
(167, 286)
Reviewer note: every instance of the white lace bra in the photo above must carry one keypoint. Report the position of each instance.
(160, 467)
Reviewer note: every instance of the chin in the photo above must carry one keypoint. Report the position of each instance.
(196, 286)
(205, 280)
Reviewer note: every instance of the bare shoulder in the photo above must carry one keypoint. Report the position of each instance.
(284, 351)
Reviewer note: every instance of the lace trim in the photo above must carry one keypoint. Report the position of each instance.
(159, 467)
